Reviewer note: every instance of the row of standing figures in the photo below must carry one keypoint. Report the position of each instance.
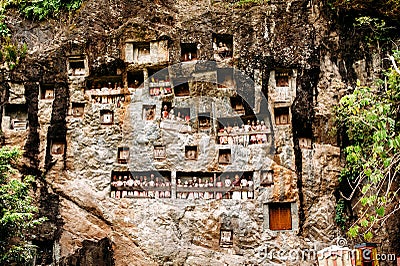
(239, 188)
(244, 135)
(140, 187)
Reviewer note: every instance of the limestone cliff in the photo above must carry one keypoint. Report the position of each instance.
(95, 85)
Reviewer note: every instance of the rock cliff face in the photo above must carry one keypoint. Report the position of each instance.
(107, 98)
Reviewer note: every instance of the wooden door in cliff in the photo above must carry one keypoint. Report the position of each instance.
(280, 217)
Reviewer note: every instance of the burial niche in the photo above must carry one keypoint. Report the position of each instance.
(224, 156)
(281, 115)
(123, 155)
(267, 178)
(106, 117)
(180, 114)
(191, 152)
(226, 238)
(237, 104)
(57, 147)
(281, 78)
(47, 91)
(188, 52)
(225, 78)
(141, 52)
(181, 89)
(149, 112)
(204, 121)
(17, 115)
(78, 109)
(159, 82)
(222, 46)
(280, 217)
(159, 152)
(146, 184)
(135, 79)
(76, 66)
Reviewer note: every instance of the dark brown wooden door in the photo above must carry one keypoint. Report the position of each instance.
(280, 217)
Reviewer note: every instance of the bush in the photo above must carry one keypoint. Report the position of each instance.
(17, 213)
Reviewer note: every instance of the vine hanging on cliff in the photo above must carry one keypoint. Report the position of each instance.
(370, 117)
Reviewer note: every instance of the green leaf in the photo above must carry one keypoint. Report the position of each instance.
(380, 211)
(353, 231)
(365, 188)
(364, 223)
(386, 162)
(368, 236)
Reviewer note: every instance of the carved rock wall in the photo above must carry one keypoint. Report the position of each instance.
(89, 227)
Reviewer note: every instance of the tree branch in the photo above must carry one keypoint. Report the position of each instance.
(391, 58)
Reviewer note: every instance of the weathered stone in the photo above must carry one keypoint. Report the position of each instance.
(89, 227)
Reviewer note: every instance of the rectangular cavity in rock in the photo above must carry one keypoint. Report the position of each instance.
(16, 116)
(214, 185)
(165, 110)
(237, 105)
(181, 114)
(46, 91)
(191, 152)
(226, 238)
(188, 52)
(282, 115)
(104, 83)
(305, 143)
(141, 52)
(181, 89)
(149, 112)
(159, 152)
(204, 120)
(78, 109)
(222, 46)
(123, 155)
(267, 178)
(77, 66)
(135, 79)
(282, 78)
(224, 156)
(145, 184)
(280, 216)
(106, 117)
(57, 147)
(159, 81)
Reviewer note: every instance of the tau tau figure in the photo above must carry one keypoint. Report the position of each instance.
(228, 183)
(236, 184)
(219, 184)
(179, 185)
(165, 113)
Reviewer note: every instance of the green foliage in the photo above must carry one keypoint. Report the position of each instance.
(341, 217)
(12, 53)
(369, 116)
(382, 8)
(17, 214)
(4, 30)
(41, 9)
(375, 29)
(248, 3)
